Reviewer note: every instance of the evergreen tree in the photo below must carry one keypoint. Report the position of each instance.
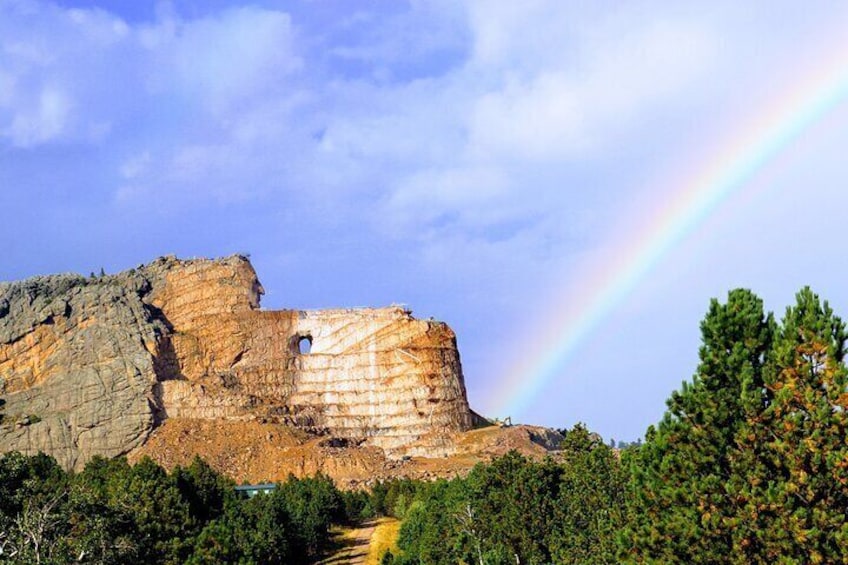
(25, 479)
(206, 491)
(590, 506)
(680, 505)
(513, 501)
(791, 468)
(313, 505)
(161, 515)
(440, 527)
(256, 531)
(518, 510)
(357, 506)
(100, 531)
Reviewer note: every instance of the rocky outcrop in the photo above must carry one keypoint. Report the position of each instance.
(91, 366)
(76, 366)
(252, 451)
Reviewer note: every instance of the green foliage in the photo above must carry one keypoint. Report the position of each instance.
(680, 502)
(288, 525)
(431, 532)
(378, 498)
(28, 479)
(116, 513)
(749, 464)
(590, 508)
(518, 509)
(393, 497)
(207, 492)
(162, 516)
(791, 468)
(313, 504)
(516, 501)
(357, 506)
(259, 530)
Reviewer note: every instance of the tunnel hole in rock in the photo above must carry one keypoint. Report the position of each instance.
(304, 344)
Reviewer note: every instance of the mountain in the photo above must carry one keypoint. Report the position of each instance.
(176, 358)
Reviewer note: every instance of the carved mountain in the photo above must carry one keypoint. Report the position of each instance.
(162, 359)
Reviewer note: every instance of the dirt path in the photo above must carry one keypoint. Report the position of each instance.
(353, 545)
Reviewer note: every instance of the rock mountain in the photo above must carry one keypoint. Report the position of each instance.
(176, 358)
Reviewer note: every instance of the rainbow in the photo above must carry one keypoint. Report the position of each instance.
(577, 316)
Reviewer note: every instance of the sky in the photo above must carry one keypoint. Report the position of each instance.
(492, 164)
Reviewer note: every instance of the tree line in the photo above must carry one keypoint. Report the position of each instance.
(748, 465)
(114, 512)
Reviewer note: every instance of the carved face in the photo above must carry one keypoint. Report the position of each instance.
(256, 292)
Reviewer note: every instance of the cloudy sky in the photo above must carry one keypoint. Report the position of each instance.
(480, 161)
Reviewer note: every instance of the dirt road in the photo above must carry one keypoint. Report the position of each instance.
(353, 545)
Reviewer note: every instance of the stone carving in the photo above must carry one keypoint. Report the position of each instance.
(90, 366)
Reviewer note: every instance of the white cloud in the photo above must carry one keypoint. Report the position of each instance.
(532, 100)
(68, 75)
(135, 165)
(218, 61)
(247, 103)
(45, 118)
(584, 102)
(50, 58)
(543, 119)
(99, 27)
(523, 36)
(471, 197)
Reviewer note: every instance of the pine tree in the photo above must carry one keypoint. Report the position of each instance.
(791, 468)
(590, 507)
(679, 501)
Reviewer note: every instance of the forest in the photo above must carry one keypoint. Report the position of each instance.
(748, 465)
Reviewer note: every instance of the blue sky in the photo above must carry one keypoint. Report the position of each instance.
(467, 158)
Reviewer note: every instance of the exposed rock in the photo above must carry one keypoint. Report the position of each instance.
(76, 366)
(90, 366)
(258, 452)
(250, 451)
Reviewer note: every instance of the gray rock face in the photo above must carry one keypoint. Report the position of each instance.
(76, 366)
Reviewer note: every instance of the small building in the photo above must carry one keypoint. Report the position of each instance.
(252, 490)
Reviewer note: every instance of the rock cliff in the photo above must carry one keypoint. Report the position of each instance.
(92, 366)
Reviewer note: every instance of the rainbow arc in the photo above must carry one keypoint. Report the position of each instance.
(575, 318)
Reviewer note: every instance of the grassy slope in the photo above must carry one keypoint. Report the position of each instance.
(384, 538)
